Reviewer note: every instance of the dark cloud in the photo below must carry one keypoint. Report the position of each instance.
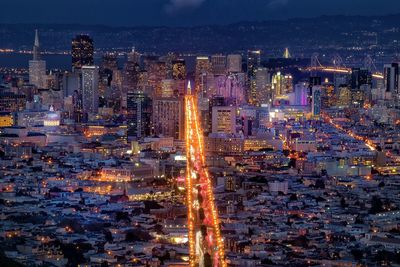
(277, 3)
(182, 12)
(177, 5)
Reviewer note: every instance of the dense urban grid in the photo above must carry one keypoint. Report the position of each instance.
(235, 159)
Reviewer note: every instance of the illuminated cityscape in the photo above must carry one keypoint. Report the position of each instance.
(200, 133)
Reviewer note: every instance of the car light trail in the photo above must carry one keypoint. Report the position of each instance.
(206, 246)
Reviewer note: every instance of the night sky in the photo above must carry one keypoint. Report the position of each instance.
(181, 12)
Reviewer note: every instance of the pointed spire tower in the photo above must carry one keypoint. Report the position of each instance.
(286, 54)
(189, 89)
(36, 47)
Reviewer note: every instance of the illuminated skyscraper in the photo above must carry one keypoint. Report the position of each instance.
(223, 120)
(90, 89)
(139, 112)
(253, 62)
(218, 63)
(234, 63)
(301, 94)
(328, 96)
(263, 87)
(134, 56)
(203, 68)
(316, 101)
(82, 51)
(168, 117)
(392, 80)
(360, 77)
(179, 69)
(109, 62)
(37, 67)
(131, 76)
(156, 72)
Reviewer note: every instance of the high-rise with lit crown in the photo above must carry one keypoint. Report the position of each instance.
(37, 67)
(82, 51)
(203, 68)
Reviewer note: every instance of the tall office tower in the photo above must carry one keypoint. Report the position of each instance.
(82, 51)
(143, 83)
(301, 94)
(206, 119)
(78, 114)
(90, 89)
(37, 67)
(53, 81)
(316, 101)
(134, 56)
(156, 71)
(344, 98)
(139, 112)
(328, 96)
(70, 83)
(179, 69)
(360, 77)
(231, 87)
(203, 68)
(169, 59)
(234, 63)
(130, 76)
(109, 62)
(218, 64)
(263, 87)
(168, 88)
(168, 117)
(223, 120)
(360, 81)
(392, 78)
(109, 66)
(278, 84)
(288, 84)
(253, 63)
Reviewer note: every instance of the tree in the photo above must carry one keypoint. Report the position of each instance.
(376, 205)
(120, 215)
(357, 254)
(108, 236)
(343, 202)
(320, 184)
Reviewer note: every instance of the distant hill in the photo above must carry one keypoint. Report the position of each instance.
(302, 36)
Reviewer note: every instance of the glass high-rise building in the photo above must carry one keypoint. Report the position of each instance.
(82, 51)
(253, 63)
(139, 111)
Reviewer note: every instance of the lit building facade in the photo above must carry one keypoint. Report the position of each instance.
(168, 117)
(139, 114)
(82, 51)
(223, 120)
(90, 89)
(234, 63)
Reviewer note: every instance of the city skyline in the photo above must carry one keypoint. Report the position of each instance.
(256, 144)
